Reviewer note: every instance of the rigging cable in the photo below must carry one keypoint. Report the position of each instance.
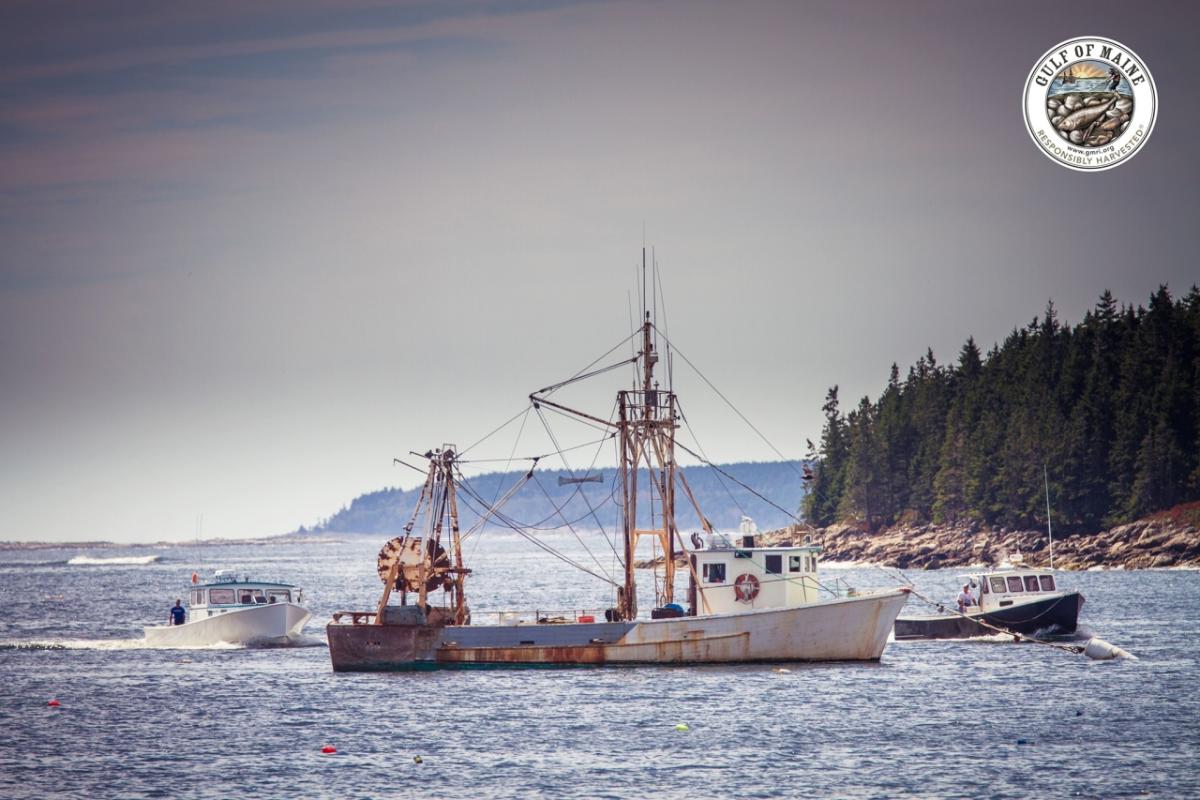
(470, 493)
(729, 403)
(571, 528)
(554, 439)
(752, 491)
(496, 430)
(687, 424)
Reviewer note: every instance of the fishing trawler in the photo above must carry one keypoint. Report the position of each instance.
(745, 603)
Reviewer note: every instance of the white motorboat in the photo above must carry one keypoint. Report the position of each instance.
(233, 610)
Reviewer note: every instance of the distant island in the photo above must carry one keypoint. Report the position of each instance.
(547, 503)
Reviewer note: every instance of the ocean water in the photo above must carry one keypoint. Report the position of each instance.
(978, 719)
(1081, 85)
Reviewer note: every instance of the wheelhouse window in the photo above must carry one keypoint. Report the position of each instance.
(197, 597)
(1014, 583)
(1047, 582)
(714, 573)
(774, 564)
(278, 596)
(997, 585)
(983, 587)
(248, 596)
(795, 564)
(1031, 583)
(221, 597)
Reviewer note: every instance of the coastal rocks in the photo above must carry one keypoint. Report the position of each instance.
(1145, 544)
(1089, 119)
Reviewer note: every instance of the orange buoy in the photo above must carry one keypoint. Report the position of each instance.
(328, 749)
(195, 577)
(54, 704)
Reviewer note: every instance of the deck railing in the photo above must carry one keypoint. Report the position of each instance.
(534, 617)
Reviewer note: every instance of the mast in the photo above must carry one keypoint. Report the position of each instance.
(647, 417)
(1049, 528)
(646, 426)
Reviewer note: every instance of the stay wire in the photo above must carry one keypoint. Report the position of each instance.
(752, 491)
(687, 424)
(471, 494)
(496, 430)
(729, 403)
(580, 374)
(554, 439)
(571, 528)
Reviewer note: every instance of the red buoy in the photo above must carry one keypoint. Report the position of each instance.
(54, 704)
(328, 749)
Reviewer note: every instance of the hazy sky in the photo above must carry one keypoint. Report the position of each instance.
(252, 251)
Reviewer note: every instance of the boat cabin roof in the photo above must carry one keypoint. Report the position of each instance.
(722, 541)
(1005, 570)
(225, 578)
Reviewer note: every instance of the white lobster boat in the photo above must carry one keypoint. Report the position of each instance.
(230, 610)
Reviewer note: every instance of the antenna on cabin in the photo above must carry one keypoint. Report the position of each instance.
(1049, 528)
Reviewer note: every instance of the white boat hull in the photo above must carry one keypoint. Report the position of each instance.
(850, 629)
(276, 623)
(847, 629)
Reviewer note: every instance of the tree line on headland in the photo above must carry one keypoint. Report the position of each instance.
(1109, 408)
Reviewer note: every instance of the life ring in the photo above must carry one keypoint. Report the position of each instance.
(745, 588)
(697, 541)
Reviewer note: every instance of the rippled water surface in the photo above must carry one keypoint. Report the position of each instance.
(932, 719)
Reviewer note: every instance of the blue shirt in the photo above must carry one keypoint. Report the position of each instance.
(177, 615)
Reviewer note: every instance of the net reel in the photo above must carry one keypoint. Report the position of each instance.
(404, 554)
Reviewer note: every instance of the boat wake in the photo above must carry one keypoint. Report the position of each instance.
(89, 561)
(98, 644)
(991, 638)
(140, 644)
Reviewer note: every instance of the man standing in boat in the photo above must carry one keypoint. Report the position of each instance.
(178, 614)
(965, 599)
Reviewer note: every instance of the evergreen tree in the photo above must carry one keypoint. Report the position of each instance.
(821, 504)
(1110, 408)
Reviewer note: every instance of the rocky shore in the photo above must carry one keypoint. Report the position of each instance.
(1170, 539)
(1154, 542)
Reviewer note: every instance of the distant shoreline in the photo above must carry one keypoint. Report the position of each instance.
(1156, 542)
(277, 539)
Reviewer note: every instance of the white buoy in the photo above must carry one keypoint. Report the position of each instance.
(1103, 651)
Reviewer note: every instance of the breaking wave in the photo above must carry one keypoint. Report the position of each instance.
(89, 561)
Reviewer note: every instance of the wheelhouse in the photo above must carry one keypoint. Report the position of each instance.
(1012, 586)
(226, 592)
(729, 575)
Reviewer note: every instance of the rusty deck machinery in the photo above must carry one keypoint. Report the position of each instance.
(423, 564)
